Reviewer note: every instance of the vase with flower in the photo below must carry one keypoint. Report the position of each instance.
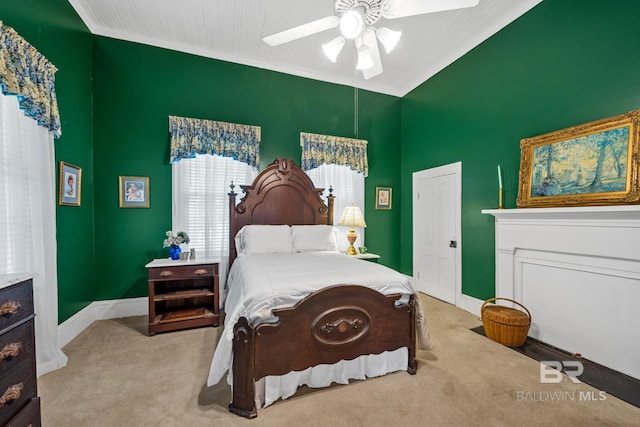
(173, 242)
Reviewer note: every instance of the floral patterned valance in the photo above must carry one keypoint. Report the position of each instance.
(197, 136)
(324, 149)
(26, 73)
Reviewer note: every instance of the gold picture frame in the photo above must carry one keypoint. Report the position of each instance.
(69, 184)
(133, 191)
(384, 197)
(595, 163)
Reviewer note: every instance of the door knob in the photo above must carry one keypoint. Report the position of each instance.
(453, 244)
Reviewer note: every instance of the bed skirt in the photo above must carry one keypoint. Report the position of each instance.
(272, 388)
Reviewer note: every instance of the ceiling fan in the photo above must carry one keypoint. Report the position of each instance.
(356, 19)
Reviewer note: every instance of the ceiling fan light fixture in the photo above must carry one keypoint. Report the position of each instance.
(364, 58)
(333, 48)
(352, 23)
(388, 38)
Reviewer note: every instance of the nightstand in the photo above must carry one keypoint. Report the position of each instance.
(368, 256)
(183, 294)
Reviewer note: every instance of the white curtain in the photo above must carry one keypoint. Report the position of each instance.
(348, 187)
(200, 204)
(28, 220)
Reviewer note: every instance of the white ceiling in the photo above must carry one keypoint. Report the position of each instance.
(232, 30)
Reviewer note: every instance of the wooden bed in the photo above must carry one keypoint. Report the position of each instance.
(329, 325)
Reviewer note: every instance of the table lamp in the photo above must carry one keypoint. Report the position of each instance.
(352, 217)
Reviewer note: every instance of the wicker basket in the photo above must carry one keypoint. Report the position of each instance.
(505, 325)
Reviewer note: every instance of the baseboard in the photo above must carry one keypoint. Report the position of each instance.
(471, 304)
(100, 310)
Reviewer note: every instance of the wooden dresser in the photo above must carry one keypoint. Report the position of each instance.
(19, 401)
(183, 294)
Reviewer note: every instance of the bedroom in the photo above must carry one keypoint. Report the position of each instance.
(563, 63)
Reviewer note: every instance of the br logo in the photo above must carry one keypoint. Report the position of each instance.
(551, 371)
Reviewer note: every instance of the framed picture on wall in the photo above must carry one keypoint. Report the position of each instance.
(383, 197)
(596, 163)
(134, 192)
(70, 184)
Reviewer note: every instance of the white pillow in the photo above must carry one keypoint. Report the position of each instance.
(311, 238)
(265, 239)
(239, 242)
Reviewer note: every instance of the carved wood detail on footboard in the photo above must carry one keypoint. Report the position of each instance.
(336, 323)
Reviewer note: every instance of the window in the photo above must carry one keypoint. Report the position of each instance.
(341, 163)
(28, 219)
(348, 187)
(200, 204)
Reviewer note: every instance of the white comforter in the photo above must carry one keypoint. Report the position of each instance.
(259, 283)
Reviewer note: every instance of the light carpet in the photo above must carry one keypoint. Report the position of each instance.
(119, 376)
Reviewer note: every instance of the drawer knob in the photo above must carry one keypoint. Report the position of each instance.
(12, 393)
(166, 273)
(200, 272)
(10, 350)
(9, 307)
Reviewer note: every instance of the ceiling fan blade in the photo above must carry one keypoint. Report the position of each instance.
(402, 8)
(369, 38)
(302, 31)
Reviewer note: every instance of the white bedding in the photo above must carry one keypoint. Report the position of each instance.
(259, 283)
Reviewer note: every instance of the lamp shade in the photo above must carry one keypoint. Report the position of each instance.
(388, 38)
(364, 58)
(352, 217)
(333, 48)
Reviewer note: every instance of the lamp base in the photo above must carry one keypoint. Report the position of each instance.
(351, 237)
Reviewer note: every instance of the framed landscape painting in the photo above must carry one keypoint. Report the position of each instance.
(591, 164)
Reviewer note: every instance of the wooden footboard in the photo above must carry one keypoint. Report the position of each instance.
(336, 323)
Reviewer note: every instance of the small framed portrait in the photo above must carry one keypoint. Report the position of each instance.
(69, 184)
(383, 197)
(134, 192)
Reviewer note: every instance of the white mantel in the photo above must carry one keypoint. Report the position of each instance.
(578, 271)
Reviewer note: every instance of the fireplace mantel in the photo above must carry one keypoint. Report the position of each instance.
(577, 269)
(586, 213)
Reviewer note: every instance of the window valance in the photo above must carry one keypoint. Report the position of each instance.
(27, 74)
(198, 136)
(325, 149)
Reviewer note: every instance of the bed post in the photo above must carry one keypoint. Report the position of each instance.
(243, 387)
(232, 220)
(330, 199)
(412, 366)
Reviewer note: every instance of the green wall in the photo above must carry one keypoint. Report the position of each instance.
(115, 98)
(53, 27)
(563, 63)
(136, 87)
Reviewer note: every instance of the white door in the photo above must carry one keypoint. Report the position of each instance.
(436, 232)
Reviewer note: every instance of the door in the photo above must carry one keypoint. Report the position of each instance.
(436, 232)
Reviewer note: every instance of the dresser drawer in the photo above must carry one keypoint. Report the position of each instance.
(15, 346)
(29, 416)
(17, 388)
(183, 272)
(16, 303)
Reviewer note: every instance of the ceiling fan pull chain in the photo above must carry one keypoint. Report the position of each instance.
(356, 111)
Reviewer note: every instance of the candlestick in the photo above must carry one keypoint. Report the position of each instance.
(499, 178)
(500, 199)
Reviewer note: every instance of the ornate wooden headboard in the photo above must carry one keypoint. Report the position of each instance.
(281, 194)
